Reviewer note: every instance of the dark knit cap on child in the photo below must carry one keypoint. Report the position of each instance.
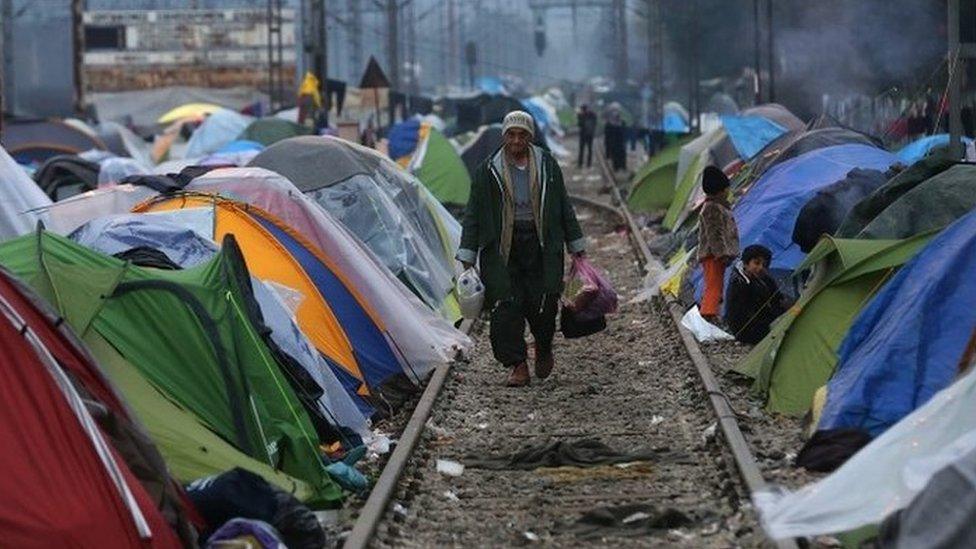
(714, 180)
(757, 250)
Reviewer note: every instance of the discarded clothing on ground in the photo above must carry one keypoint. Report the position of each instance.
(632, 520)
(580, 453)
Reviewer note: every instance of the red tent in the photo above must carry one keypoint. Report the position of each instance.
(63, 482)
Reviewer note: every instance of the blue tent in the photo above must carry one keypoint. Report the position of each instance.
(907, 343)
(403, 138)
(920, 148)
(750, 134)
(767, 213)
(675, 123)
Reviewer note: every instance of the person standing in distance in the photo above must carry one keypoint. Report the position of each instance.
(586, 120)
(517, 226)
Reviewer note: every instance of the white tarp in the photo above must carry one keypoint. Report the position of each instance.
(21, 200)
(885, 475)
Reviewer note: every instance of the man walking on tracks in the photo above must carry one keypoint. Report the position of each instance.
(517, 223)
(586, 120)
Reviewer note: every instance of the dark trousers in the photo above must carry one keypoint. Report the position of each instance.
(528, 303)
(586, 144)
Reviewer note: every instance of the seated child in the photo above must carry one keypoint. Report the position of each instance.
(753, 300)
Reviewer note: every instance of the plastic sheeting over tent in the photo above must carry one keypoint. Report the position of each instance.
(794, 144)
(387, 208)
(217, 130)
(187, 335)
(331, 312)
(653, 185)
(21, 200)
(676, 118)
(66, 216)
(425, 339)
(885, 475)
(120, 233)
(907, 343)
(65, 483)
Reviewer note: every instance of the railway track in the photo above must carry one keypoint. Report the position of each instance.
(642, 385)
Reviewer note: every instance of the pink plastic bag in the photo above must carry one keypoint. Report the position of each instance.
(588, 292)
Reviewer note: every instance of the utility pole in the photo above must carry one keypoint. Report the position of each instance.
(355, 32)
(619, 15)
(770, 30)
(757, 31)
(655, 56)
(78, 54)
(412, 50)
(955, 62)
(393, 43)
(453, 49)
(696, 68)
(275, 54)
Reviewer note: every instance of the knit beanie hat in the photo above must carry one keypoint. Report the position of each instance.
(714, 180)
(519, 119)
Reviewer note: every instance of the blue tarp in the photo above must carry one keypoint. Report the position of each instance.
(920, 148)
(906, 345)
(750, 134)
(403, 138)
(767, 213)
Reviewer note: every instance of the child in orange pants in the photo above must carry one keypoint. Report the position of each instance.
(718, 239)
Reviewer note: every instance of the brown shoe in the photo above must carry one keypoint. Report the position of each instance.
(519, 376)
(543, 365)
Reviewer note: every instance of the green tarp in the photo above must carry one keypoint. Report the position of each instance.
(268, 131)
(442, 171)
(799, 354)
(934, 203)
(187, 334)
(865, 211)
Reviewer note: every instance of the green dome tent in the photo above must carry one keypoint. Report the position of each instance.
(203, 380)
(426, 153)
(800, 352)
(268, 131)
(653, 186)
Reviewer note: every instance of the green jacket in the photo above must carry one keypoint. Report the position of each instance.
(482, 225)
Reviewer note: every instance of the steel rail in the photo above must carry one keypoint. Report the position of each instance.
(744, 460)
(374, 509)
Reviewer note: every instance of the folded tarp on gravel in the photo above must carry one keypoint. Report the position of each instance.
(579, 453)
